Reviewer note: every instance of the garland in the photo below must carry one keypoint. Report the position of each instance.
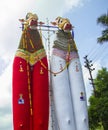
(67, 60)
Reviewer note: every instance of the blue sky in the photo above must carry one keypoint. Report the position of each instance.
(86, 28)
(82, 14)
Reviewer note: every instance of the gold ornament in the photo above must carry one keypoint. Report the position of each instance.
(21, 68)
(77, 67)
(41, 71)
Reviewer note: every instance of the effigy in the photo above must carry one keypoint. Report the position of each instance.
(30, 83)
(67, 83)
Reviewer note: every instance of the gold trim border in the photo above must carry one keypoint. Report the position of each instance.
(31, 58)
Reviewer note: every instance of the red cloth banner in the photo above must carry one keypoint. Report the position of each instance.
(30, 91)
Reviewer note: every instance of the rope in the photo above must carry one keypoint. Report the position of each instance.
(26, 34)
(29, 90)
(28, 73)
(67, 63)
(67, 60)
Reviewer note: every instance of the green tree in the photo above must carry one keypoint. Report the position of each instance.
(103, 20)
(98, 109)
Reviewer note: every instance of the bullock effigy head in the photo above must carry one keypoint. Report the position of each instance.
(30, 21)
(63, 24)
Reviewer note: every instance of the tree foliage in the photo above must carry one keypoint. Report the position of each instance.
(98, 109)
(103, 20)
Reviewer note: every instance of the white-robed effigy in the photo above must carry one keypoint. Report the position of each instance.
(69, 96)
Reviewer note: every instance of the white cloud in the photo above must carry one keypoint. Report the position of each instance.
(73, 3)
(5, 89)
(5, 119)
(6, 99)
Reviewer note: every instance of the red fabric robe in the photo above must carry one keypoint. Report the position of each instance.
(30, 85)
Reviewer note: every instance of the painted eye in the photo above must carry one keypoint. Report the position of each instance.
(60, 21)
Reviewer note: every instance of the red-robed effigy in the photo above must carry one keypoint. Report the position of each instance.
(30, 85)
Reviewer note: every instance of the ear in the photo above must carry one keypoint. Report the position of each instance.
(41, 23)
(22, 20)
(54, 23)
